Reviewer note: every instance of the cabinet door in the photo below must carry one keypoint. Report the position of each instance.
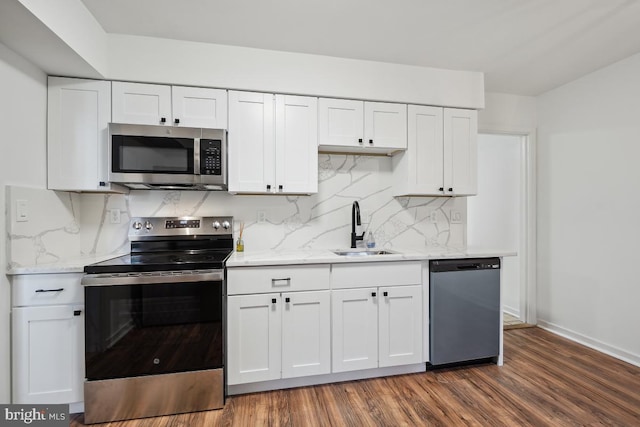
(79, 112)
(306, 329)
(400, 325)
(48, 354)
(253, 338)
(385, 125)
(460, 151)
(251, 142)
(354, 329)
(199, 107)
(296, 144)
(341, 122)
(143, 104)
(425, 150)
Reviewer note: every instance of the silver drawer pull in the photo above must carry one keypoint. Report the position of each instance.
(286, 280)
(49, 290)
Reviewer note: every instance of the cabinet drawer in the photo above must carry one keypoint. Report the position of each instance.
(46, 289)
(256, 280)
(368, 274)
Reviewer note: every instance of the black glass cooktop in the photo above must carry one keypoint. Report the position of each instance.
(161, 261)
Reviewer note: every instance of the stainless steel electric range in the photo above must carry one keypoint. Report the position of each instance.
(154, 321)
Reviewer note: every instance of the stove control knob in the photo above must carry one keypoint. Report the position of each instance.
(226, 225)
(148, 225)
(137, 225)
(216, 225)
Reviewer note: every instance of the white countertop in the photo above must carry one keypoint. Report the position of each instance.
(326, 256)
(284, 257)
(66, 266)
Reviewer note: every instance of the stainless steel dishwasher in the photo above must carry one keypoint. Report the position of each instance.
(464, 310)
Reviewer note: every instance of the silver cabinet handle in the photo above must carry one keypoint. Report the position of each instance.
(286, 280)
(49, 290)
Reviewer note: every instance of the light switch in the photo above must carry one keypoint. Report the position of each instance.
(22, 210)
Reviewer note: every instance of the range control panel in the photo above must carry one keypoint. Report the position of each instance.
(145, 227)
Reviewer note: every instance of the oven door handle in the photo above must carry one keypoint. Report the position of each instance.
(151, 279)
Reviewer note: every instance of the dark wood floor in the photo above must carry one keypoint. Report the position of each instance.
(545, 381)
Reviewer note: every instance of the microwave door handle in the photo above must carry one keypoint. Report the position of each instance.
(196, 156)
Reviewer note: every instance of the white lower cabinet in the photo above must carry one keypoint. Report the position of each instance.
(376, 327)
(254, 328)
(47, 332)
(278, 335)
(307, 320)
(48, 350)
(354, 332)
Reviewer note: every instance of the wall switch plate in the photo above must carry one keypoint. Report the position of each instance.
(114, 216)
(455, 216)
(261, 217)
(22, 210)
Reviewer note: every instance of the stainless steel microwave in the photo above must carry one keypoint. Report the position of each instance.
(164, 157)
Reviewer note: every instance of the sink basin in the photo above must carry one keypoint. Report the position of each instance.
(362, 252)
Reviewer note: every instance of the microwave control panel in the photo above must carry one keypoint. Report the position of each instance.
(210, 157)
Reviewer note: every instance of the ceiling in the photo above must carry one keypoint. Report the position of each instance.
(524, 47)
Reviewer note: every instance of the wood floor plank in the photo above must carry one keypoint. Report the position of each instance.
(546, 380)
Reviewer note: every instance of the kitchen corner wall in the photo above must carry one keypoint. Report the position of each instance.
(319, 221)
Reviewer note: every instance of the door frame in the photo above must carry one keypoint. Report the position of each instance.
(528, 220)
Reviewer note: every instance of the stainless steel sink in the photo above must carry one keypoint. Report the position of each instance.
(359, 253)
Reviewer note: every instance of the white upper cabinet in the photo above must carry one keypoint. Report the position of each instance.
(272, 144)
(143, 104)
(199, 107)
(441, 156)
(296, 144)
(151, 104)
(385, 125)
(79, 112)
(460, 152)
(362, 127)
(341, 122)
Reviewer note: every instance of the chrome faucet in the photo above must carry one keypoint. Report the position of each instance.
(355, 220)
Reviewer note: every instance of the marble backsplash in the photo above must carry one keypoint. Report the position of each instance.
(65, 225)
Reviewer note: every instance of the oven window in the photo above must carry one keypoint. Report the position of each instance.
(144, 154)
(133, 330)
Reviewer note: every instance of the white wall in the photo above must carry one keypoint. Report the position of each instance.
(158, 60)
(508, 113)
(22, 161)
(494, 215)
(588, 209)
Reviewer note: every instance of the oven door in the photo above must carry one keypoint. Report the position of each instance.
(154, 327)
(153, 159)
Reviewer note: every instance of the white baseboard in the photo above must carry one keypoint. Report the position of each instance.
(602, 347)
(324, 379)
(512, 311)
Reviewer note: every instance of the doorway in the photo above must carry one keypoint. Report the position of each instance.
(498, 216)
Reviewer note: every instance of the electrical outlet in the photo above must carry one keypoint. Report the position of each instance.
(433, 217)
(261, 217)
(455, 216)
(114, 216)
